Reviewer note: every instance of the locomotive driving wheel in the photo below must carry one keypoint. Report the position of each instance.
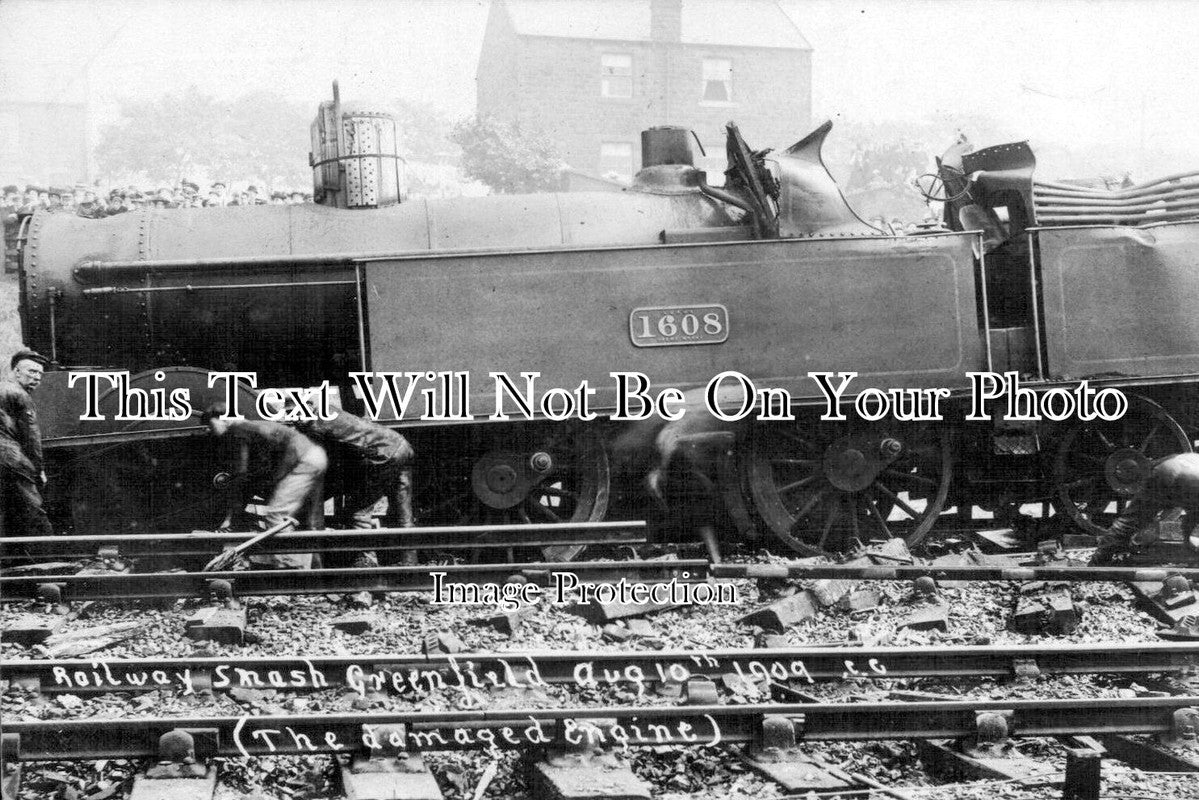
(145, 487)
(1100, 466)
(821, 487)
(551, 476)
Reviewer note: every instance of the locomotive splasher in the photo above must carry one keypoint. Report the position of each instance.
(772, 276)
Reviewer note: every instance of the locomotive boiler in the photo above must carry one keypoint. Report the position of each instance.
(771, 276)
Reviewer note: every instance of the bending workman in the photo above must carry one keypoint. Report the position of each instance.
(295, 466)
(378, 464)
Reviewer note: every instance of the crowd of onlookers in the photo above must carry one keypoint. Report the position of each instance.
(898, 227)
(888, 165)
(88, 201)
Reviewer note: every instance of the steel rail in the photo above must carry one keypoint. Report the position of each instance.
(967, 572)
(468, 672)
(412, 579)
(423, 538)
(167, 585)
(638, 726)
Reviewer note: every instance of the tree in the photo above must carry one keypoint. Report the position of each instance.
(424, 132)
(258, 136)
(504, 158)
(876, 162)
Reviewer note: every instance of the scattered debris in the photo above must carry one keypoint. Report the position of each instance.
(506, 623)
(934, 617)
(354, 623)
(446, 643)
(999, 540)
(1045, 607)
(829, 591)
(892, 551)
(861, 600)
(70, 644)
(218, 624)
(29, 629)
(782, 614)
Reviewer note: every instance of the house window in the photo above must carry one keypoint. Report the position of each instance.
(616, 75)
(616, 160)
(718, 80)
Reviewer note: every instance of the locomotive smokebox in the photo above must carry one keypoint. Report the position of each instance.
(668, 144)
(355, 156)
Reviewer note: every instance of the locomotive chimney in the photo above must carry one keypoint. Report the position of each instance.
(666, 20)
(355, 156)
(667, 144)
(667, 164)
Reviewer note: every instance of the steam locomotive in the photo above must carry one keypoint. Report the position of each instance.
(771, 276)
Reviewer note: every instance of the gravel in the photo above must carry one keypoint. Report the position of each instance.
(288, 626)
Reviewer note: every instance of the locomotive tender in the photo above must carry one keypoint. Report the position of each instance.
(772, 276)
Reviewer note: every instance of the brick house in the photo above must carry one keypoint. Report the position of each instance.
(43, 122)
(592, 74)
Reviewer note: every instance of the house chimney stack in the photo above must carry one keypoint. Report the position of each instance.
(666, 20)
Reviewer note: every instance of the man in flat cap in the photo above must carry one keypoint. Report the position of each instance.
(12, 199)
(115, 204)
(22, 473)
(32, 200)
(11, 206)
(90, 207)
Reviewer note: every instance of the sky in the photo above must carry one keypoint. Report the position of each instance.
(1114, 74)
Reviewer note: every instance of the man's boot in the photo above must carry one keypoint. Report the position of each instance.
(403, 512)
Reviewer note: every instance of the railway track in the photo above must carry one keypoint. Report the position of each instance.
(902, 572)
(764, 734)
(167, 585)
(56, 587)
(205, 544)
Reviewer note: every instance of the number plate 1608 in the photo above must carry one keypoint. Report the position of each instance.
(660, 326)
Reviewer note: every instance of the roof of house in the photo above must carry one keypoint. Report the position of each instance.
(740, 23)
